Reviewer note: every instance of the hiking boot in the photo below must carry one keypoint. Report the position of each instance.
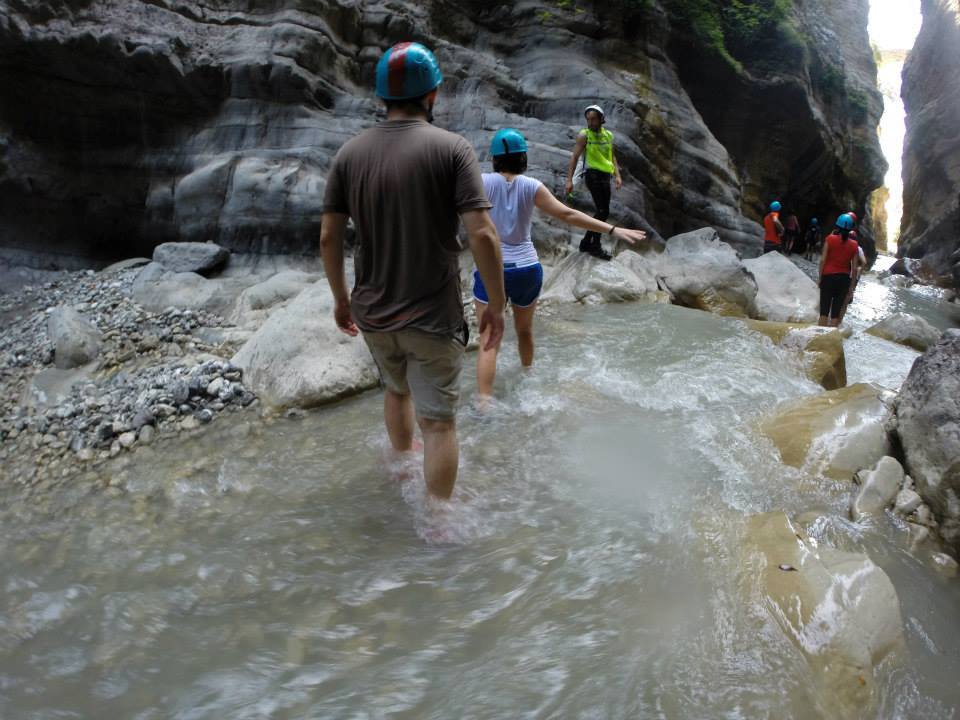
(599, 253)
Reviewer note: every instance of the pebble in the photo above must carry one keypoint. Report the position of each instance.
(947, 566)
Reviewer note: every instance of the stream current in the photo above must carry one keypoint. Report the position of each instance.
(591, 566)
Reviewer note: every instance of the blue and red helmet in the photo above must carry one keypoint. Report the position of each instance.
(845, 222)
(407, 70)
(506, 142)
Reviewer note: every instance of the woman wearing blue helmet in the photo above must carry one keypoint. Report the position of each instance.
(514, 197)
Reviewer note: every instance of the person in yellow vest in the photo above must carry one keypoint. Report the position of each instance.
(595, 144)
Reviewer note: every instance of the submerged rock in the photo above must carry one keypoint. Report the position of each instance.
(835, 433)
(928, 427)
(299, 357)
(839, 608)
(784, 292)
(703, 272)
(906, 329)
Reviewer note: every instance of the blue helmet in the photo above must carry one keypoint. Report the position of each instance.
(845, 222)
(506, 141)
(814, 221)
(775, 206)
(407, 70)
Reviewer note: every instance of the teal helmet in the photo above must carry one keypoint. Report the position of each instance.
(407, 70)
(814, 221)
(845, 222)
(775, 206)
(507, 141)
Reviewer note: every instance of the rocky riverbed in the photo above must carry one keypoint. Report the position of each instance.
(155, 375)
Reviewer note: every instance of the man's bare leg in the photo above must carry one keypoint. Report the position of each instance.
(486, 360)
(441, 455)
(398, 417)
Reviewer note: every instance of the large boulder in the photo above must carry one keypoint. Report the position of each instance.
(820, 349)
(582, 278)
(703, 272)
(906, 329)
(255, 303)
(156, 288)
(928, 426)
(191, 257)
(75, 340)
(834, 433)
(299, 358)
(784, 292)
(839, 608)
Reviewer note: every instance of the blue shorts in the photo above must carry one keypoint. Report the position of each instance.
(523, 284)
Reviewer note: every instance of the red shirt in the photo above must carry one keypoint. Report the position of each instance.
(839, 255)
(769, 229)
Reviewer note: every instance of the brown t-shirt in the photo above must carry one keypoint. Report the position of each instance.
(404, 182)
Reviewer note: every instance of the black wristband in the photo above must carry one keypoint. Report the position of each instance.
(612, 228)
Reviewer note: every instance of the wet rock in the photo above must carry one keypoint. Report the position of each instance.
(784, 292)
(204, 416)
(928, 428)
(191, 257)
(835, 433)
(702, 272)
(820, 348)
(299, 358)
(945, 564)
(147, 434)
(907, 501)
(839, 608)
(75, 339)
(585, 279)
(127, 439)
(189, 423)
(878, 488)
(906, 329)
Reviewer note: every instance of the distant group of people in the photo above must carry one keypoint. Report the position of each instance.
(407, 185)
(842, 259)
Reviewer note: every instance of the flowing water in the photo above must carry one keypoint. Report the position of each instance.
(589, 566)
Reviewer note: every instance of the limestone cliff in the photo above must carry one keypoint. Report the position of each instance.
(930, 227)
(124, 123)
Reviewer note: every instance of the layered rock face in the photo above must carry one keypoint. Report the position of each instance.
(127, 124)
(930, 227)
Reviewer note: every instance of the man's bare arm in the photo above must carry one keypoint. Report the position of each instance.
(485, 247)
(332, 233)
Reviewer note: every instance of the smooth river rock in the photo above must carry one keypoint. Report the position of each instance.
(585, 279)
(878, 488)
(928, 426)
(703, 272)
(821, 349)
(834, 433)
(906, 329)
(784, 292)
(839, 608)
(76, 341)
(299, 358)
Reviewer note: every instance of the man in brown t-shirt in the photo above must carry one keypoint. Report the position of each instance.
(407, 185)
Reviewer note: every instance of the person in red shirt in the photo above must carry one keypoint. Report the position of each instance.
(837, 262)
(772, 229)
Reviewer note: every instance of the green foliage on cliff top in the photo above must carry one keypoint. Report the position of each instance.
(737, 30)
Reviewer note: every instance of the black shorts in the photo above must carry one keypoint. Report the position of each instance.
(833, 291)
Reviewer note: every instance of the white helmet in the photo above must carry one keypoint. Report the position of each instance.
(603, 115)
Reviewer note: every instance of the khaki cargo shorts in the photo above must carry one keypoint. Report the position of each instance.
(422, 363)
